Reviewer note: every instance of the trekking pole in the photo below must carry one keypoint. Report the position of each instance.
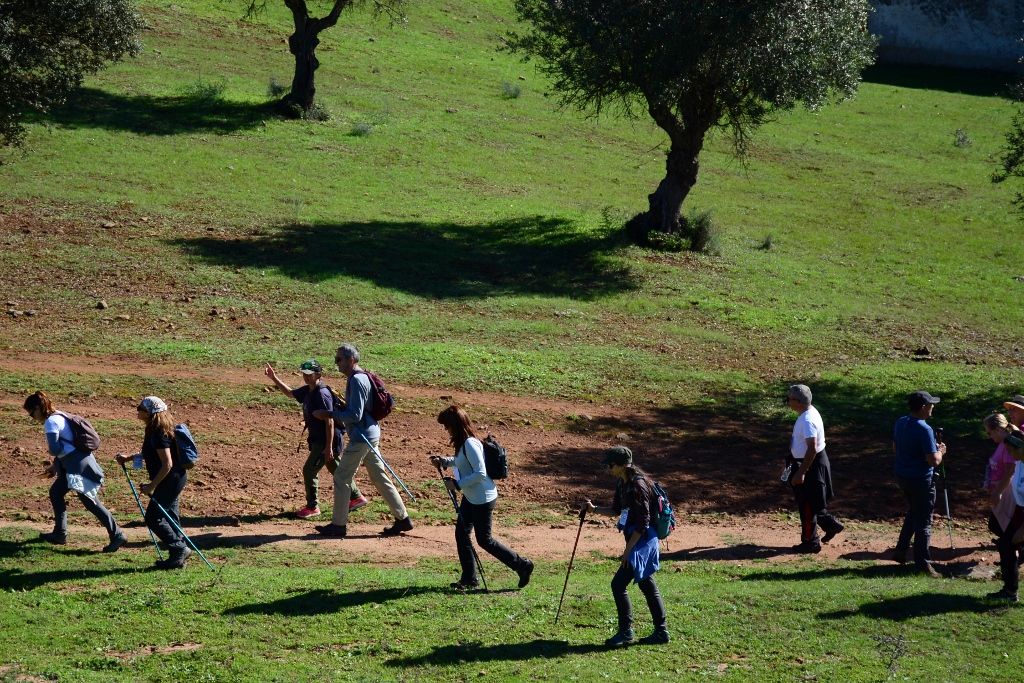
(949, 519)
(187, 539)
(458, 513)
(583, 515)
(139, 503)
(377, 453)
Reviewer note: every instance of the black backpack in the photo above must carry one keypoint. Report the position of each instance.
(83, 435)
(495, 458)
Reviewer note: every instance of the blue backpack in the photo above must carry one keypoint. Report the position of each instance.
(188, 454)
(666, 520)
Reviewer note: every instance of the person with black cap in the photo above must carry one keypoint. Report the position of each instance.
(810, 472)
(1015, 411)
(636, 505)
(326, 437)
(917, 456)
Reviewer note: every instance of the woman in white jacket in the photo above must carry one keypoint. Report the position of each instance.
(479, 497)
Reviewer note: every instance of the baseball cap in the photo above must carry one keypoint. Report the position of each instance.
(918, 399)
(310, 367)
(619, 455)
(1015, 402)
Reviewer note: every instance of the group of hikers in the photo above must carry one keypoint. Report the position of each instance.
(330, 418)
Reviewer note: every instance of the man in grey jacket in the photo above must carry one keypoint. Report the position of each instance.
(357, 418)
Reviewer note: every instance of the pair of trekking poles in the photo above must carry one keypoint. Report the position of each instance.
(138, 502)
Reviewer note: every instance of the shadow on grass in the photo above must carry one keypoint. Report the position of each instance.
(915, 606)
(322, 601)
(532, 255)
(16, 579)
(511, 652)
(149, 115)
(977, 82)
(868, 572)
(741, 551)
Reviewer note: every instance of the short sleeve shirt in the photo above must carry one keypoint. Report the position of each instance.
(58, 424)
(807, 426)
(997, 466)
(153, 443)
(311, 401)
(1017, 484)
(914, 440)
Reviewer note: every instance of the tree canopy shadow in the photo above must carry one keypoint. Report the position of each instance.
(977, 82)
(507, 652)
(322, 601)
(914, 606)
(153, 115)
(528, 255)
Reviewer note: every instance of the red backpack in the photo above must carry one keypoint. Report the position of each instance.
(382, 403)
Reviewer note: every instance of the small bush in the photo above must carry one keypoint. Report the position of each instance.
(316, 113)
(705, 235)
(361, 130)
(767, 243)
(510, 91)
(960, 138)
(201, 90)
(276, 90)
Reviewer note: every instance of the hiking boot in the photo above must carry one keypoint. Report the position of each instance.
(928, 570)
(806, 548)
(357, 503)
(1002, 596)
(307, 512)
(621, 639)
(398, 527)
(54, 538)
(115, 543)
(832, 534)
(524, 575)
(898, 556)
(177, 560)
(332, 529)
(659, 637)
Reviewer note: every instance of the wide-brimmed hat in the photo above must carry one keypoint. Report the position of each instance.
(619, 455)
(1015, 402)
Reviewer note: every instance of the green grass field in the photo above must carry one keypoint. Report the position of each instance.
(482, 248)
(268, 615)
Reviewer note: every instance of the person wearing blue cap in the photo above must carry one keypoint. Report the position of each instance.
(917, 456)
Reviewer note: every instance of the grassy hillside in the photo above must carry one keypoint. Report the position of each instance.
(472, 239)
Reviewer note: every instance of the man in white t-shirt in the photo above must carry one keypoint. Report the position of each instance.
(810, 472)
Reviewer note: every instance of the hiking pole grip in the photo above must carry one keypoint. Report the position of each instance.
(183, 535)
(384, 462)
(139, 503)
(583, 516)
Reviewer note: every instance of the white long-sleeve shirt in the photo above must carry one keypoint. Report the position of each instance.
(471, 473)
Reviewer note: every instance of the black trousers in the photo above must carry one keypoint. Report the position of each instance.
(920, 495)
(1009, 561)
(620, 590)
(59, 489)
(479, 517)
(167, 495)
(812, 500)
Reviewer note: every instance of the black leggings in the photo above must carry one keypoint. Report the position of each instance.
(167, 495)
(1009, 561)
(479, 517)
(620, 589)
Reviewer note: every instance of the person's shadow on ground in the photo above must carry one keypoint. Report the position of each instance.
(743, 551)
(323, 601)
(477, 652)
(914, 606)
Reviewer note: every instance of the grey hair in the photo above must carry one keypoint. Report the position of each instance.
(801, 392)
(349, 351)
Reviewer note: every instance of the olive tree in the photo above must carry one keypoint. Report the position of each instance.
(1012, 159)
(304, 41)
(695, 66)
(48, 46)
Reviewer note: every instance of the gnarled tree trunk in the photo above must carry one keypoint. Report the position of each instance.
(682, 164)
(303, 45)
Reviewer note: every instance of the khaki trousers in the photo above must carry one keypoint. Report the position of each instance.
(359, 452)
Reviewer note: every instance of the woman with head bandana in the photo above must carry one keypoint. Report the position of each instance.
(167, 478)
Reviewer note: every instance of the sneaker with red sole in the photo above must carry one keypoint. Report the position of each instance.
(307, 512)
(357, 503)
